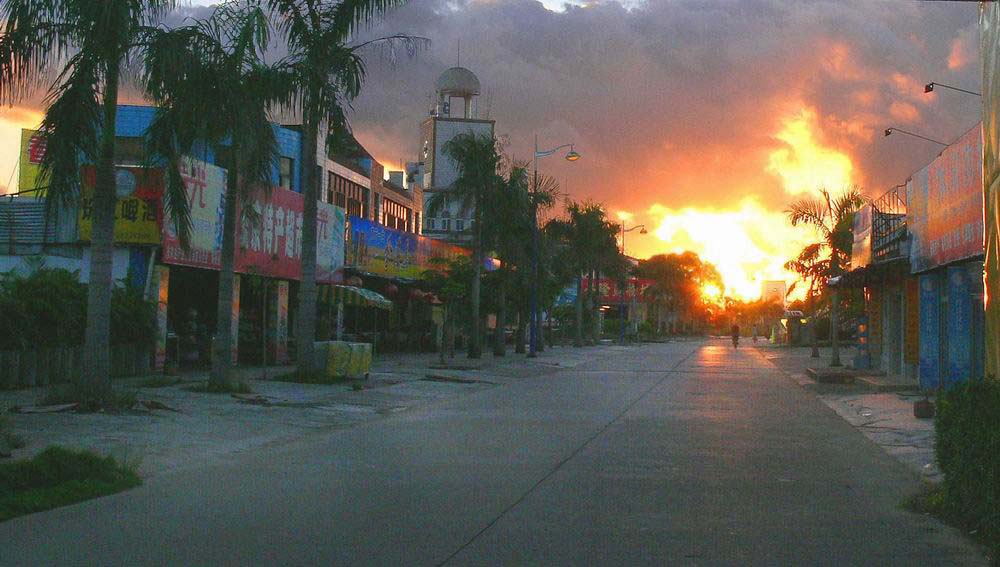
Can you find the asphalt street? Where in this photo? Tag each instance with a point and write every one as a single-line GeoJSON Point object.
{"type": "Point", "coordinates": [684, 453]}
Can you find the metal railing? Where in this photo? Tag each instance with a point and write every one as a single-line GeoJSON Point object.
{"type": "Point", "coordinates": [889, 232]}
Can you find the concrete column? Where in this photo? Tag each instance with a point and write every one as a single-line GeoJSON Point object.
{"type": "Point", "coordinates": [234, 332]}
{"type": "Point", "coordinates": [279, 337]}
{"type": "Point", "coordinates": [161, 289]}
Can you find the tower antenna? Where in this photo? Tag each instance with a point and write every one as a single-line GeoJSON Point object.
{"type": "Point", "coordinates": [458, 59]}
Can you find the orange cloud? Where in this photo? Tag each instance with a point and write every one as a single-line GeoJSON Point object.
{"type": "Point", "coordinates": [904, 111]}
{"type": "Point", "coordinates": [959, 56]}
{"type": "Point", "coordinates": [803, 164]}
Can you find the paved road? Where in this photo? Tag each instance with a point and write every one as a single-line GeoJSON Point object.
{"type": "Point", "coordinates": [685, 453]}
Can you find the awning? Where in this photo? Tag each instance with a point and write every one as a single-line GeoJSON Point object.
{"type": "Point", "coordinates": [349, 295]}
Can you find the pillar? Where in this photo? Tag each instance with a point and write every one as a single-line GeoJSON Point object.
{"type": "Point", "coordinates": [161, 289]}
{"type": "Point", "coordinates": [279, 338]}
{"type": "Point", "coordinates": [234, 333]}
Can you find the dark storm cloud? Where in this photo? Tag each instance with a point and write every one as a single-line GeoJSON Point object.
{"type": "Point", "coordinates": [678, 102]}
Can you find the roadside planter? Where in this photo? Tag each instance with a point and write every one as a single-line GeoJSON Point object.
{"type": "Point", "coordinates": [341, 359]}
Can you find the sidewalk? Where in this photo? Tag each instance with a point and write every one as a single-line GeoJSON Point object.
{"type": "Point", "coordinates": [209, 427]}
{"type": "Point", "coordinates": [886, 418]}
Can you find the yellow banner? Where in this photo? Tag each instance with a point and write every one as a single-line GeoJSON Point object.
{"type": "Point", "coordinates": [29, 163]}
{"type": "Point", "coordinates": [136, 216]}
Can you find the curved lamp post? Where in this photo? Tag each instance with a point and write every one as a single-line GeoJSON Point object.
{"type": "Point", "coordinates": [623, 311]}
{"type": "Point", "coordinates": [533, 319]}
{"type": "Point", "coordinates": [929, 87]}
{"type": "Point", "coordinates": [890, 131]}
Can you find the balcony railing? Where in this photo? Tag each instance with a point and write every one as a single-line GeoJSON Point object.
{"type": "Point", "coordinates": [889, 233]}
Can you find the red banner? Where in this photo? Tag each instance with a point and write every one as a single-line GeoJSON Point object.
{"type": "Point", "coordinates": [609, 290]}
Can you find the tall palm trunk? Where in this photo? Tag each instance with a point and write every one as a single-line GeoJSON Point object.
{"type": "Point", "coordinates": [578, 330]}
{"type": "Point", "coordinates": [500, 336]}
{"type": "Point", "coordinates": [835, 328]}
{"type": "Point", "coordinates": [222, 345]}
{"type": "Point", "coordinates": [95, 382]}
{"type": "Point", "coordinates": [475, 343]}
{"type": "Point", "coordinates": [595, 297]}
{"type": "Point", "coordinates": [306, 332]}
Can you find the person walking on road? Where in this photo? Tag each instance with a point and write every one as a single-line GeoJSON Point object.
{"type": "Point", "coordinates": [736, 335]}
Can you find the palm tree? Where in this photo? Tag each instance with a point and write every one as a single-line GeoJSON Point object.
{"type": "Point", "coordinates": [588, 244]}
{"type": "Point", "coordinates": [212, 87]}
{"type": "Point", "coordinates": [810, 267]}
{"type": "Point", "coordinates": [477, 161]}
{"type": "Point", "coordinates": [832, 219]}
{"type": "Point", "coordinates": [87, 48]}
{"type": "Point", "coordinates": [326, 73]}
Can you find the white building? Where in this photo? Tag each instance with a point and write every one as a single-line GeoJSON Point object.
{"type": "Point", "coordinates": [454, 113]}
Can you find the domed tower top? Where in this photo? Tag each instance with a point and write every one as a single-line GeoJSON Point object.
{"type": "Point", "coordinates": [457, 82]}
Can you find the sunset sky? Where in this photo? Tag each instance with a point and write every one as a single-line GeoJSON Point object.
{"type": "Point", "coordinates": [700, 119]}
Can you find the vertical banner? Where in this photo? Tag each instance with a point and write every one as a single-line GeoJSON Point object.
{"type": "Point", "coordinates": [989, 49]}
{"type": "Point", "coordinates": [234, 337]}
{"type": "Point", "coordinates": [206, 191]}
{"type": "Point", "coordinates": [959, 325]}
{"type": "Point", "coordinates": [162, 275]}
{"type": "Point", "coordinates": [930, 331]}
{"type": "Point", "coordinates": [29, 175]}
{"type": "Point", "coordinates": [280, 346]}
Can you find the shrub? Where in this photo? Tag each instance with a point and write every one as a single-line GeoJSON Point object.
{"type": "Point", "coordinates": [49, 307]}
{"type": "Point", "coordinates": [968, 452]}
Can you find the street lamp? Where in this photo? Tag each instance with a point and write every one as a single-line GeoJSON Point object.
{"type": "Point", "coordinates": [889, 131]}
{"type": "Point", "coordinates": [622, 311]}
{"type": "Point", "coordinates": [929, 87]}
{"type": "Point", "coordinates": [570, 156]}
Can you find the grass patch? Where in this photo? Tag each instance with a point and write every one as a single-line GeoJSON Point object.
{"type": "Point", "coordinates": [314, 377]}
{"type": "Point", "coordinates": [110, 401]}
{"type": "Point", "coordinates": [238, 387]}
{"type": "Point", "coordinates": [58, 477]}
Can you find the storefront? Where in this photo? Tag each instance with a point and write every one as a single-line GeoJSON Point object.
{"type": "Point", "coordinates": [945, 213]}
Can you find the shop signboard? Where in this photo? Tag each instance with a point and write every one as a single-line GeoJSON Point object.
{"type": "Point", "coordinates": [609, 290]}
{"type": "Point", "coordinates": [861, 249]}
{"type": "Point", "coordinates": [29, 175]}
{"type": "Point", "coordinates": [268, 241]}
{"type": "Point", "coordinates": [945, 205]}
{"type": "Point", "coordinates": [380, 250]}
{"type": "Point", "coordinates": [137, 214]}
{"type": "Point", "coordinates": [206, 190]}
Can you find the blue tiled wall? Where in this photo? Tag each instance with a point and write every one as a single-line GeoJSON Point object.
{"type": "Point", "coordinates": [134, 120]}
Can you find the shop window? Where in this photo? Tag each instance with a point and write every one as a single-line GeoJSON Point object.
{"type": "Point", "coordinates": [286, 166]}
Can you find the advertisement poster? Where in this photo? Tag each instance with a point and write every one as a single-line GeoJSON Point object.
{"type": "Point", "coordinates": [162, 275]}
{"type": "Point", "coordinates": [206, 189]}
{"type": "Point", "coordinates": [945, 205]}
{"type": "Point", "coordinates": [609, 290]}
{"type": "Point", "coordinates": [29, 162]}
{"type": "Point", "coordinates": [268, 242]}
{"type": "Point", "coordinates": [861, 250]}
{"type": "Point", "coordinates": [376, 249]}
{"type": "Point", "coordinates": [137, 217]}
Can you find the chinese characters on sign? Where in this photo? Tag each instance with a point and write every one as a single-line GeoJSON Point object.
{"type": "Point", "coordinates": [609, 290]}
{"type": "Point", "coordinates": [268, 241]}
{"type": "Point", "coordinates": [945, 205]}
{"type": "Point", "coordinates": [137, 217]}
{"type": "Point", "coordinates": [29, 168]}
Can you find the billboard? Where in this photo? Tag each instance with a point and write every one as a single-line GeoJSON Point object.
{"type": "Point", "coordinates": [945, 205]}
{"type": "Point", "coordinates": [272, 245]}
{"type": "Point", "coordinates": [861, 249]}
{"type": "Point", "coordinates": [137, 217]}
{"type": "Point", "coordinates": [268, 242]}
{"type": "Point", "coordinates": [380, 250]}
{"type": "Point", "coordinates": [609, 290]}
{"type": "Point", "coordinates": [29, 169]}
